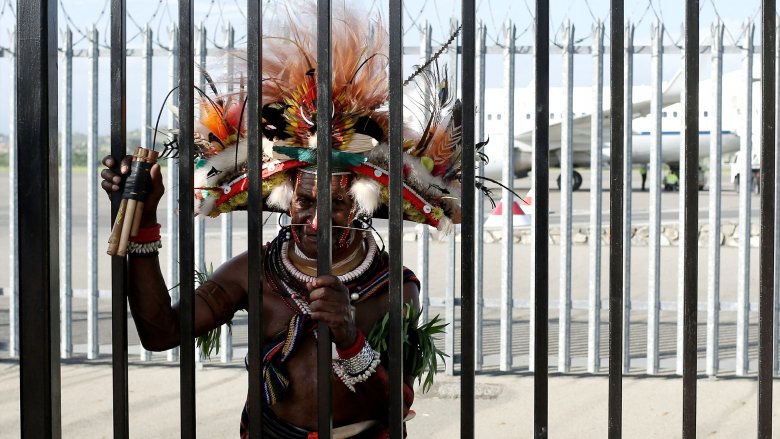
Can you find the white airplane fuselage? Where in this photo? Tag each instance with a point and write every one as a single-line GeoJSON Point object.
{"type": "Point", "coordinates": [733, 124]}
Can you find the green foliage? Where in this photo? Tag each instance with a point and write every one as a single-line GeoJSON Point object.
{"type": "Point", "coordinates": [420, 351]}
{"type": "Point", "coordinates": [209, 341]}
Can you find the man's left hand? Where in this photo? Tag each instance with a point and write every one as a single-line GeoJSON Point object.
{"type": "Point", "coordinates": [330, 303]}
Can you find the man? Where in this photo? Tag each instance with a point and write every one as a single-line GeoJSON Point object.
{"type": "Point", "coordinates": [327, 296]}
{"type": "Point", "coordinates": [354, 297]}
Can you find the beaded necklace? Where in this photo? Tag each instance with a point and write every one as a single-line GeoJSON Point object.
{"type": "Point", "coordinates": [290, 283]}
{"type": "Point", "coordinates": [346, 277]}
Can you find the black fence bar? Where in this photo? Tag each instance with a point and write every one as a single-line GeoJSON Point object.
{"type": "Point", "coordinates": [467, 233]}
{"type": "Point", "coordinates": [325, 221]}
{"type": "Point", "coordinates": [616, 80]}
{"type": "Point", "coordinates": [186, 212]}
{"type": "Point", "coordinates": [255, 216]}
{"type": "Point", "coordinates": [767, 219]}
{"type": "Point", "coordinates": [395, 217]}
{"type": "Point", "coordinates": [542, 213]}
{"type": "Point", "coordinates": [691, 215]}
{"type": "Point", "coordinates": [39, 356]}
{"type": "Point", "coordinates": [119, 263]}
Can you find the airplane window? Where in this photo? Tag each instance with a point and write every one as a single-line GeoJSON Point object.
{"type": "Point", "coordinates": [490, 117]}
{"type": "Point", "coordinates": [664, 114]}
{"type": "Point", "coordinates": [498, 116]}
{"type": "Point", "coordinates": [705, 113]}
{"type": "Point", "coordinates": [552, 115]}
{"type": "Point", "coordinates": [674, 114]}
{"type": "Point", "coordinates": [527, 115]}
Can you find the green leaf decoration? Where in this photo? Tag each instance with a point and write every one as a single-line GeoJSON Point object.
{"type": "Point", "coordinates": [420, 351]}
{"type": "Point", "coordinates": [210, 341]}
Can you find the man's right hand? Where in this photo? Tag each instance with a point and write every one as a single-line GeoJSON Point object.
{"type": "Point", "coordinates": [114, 182]}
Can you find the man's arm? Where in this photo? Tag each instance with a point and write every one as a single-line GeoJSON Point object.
{"type": "Point", "coordinates": [156, 320]}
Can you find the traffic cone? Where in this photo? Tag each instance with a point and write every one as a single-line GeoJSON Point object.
{"type": "Point", "coordinates": [528, 206]}
{"type": "Point", "coordinates": [519, 218]}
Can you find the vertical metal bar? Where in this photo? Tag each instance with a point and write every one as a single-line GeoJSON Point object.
{"type": "Point", "coordinates": [616, 221]}
{"type": "Point", "coordinates": [423, 231]}
{"type": "Point", "coordinates": [66, 203]}
{"type": "Point", "coordinates": [93, 342]}
{"type": "Point", "coordinates": [594, 244]}
{"type": "Point", "coordinates": [423, 258]}
{"type": "Point", "coordinates": [467, 231]}
{"type": "Point", "coordinates": [226, 225]}
{"type": "Point", "coordinates": [172, 182]}
{"type": "Point", "coordinates": [654, 259]}
{"type": "Point", "coordinates": [541, 158]}
{"type": "Point", "coordinates": [776, 330]}
{"type": "Point", "coordinates": [767, 221]}
{"type": "Point", "coordinates": [567, 151]}
{"type": "Point", "coordinates": [628, 136]}
{"type": "Point", "coordinates": [507, 227]}
{"type": "Point", "coordinates": [200, 225]}
{"type": "Point", "coordinates": [118, 263]}
{"type": "Point", "coordinates": [449, 318]}
{"type": "Point", "coordinates": [395, 217]}
{"type": "Point", "coordinates": [255, 218]}
{"type": "Point", "coordinates": [716, 150]}
{"type": "Point", "coordinates": [13, 218]}
{"type": "Point", "coordinates": [146, 132]}
{"type": "Point", "coordinates": [324, 249]}
{"type": "Point", "coordinates": [36, 68]}
{"type": "Point", "coordinates": [746, 174]}
{"type": "Point", "coordinates": [690, 191]}
{"type": "Point", "coordinates": [186, 226]}
{"type": "Point", "coordinates": [480, 197]}
{"type": "Point", "coordinates": [449, 306]}
{"type": "Point", "coordinates": [452, 62]}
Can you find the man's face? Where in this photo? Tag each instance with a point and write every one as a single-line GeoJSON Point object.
{"type": "Point", "coordinates": [304, 215]}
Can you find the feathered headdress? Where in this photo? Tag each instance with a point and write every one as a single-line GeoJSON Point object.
{"type": "Point", "coordinates": [432, 153]}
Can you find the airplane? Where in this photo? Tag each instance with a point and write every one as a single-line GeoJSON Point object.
{"type": "Point", "coordinates": [671, 123]}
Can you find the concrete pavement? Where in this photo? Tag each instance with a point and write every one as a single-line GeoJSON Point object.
{"type": "Point", "coordinates": [504, 405]}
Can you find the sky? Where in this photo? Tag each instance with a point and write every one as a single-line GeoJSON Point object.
{"type": "Point", "coordinates": [80, 15]}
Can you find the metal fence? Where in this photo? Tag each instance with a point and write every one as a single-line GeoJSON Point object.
{"type": "Point", "coordinates": [35, 268]}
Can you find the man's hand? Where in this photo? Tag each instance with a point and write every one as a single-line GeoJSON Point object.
{"type": "Point", "coordinates": [330, 303]}
{"type": "Point", "coordinates": [114, 182]}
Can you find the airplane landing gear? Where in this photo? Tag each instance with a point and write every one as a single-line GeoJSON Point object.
{"type": "Point", "coordinates": [576, 181]}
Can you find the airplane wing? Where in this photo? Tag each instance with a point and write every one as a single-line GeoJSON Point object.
{"type": "Point", "coordinates": [581, 124]}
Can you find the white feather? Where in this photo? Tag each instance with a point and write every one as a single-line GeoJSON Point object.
{"type": "Point", "coordinates": [445, 226]}
{"type": "Point", "coordinates": [206, 206]}
{"type": "Point", "coordinates": [225, 161]}
{"type": "Point", "coordinates": [281, 196]}
{"type": "Point", "coordinates": [367, 194]}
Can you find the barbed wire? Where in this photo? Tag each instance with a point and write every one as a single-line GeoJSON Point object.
{"type": "Point", "coordinates": [83, 33]}
{"type": "Point", "coordinates": [414, 23]}
{"type": "Point", "coordinates": [717, 14]}
{"type": "Point", "coordinates": [216, 13]}
{"type": "Point", "coordinates": [660, 18]}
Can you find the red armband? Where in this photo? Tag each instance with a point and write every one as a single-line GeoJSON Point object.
{"type": "Point", "coordinates": [353, 350]}
{"type": "Point", "coordinates": [147, 234]}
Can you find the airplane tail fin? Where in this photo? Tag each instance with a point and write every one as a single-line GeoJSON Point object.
{"type": "Point", "coordinates": [672, 93]}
